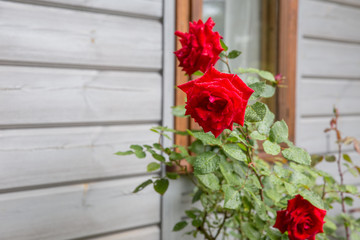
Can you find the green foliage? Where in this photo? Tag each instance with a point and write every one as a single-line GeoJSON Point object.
{"type": "Point", "coordinates": [206, 162]}
{"type": "Point", "coordinates": [161, 185]}
{"type": "Point", "coordinates": [234, 54]}
{"type": "Point", "coordinates": [239, 192]}
{"type": "Point", "coordinates": [255, 112]}
{"type": "Point", "coordinates": [279, 132]}
{"type": "Point", "coordinates": [179, 226]}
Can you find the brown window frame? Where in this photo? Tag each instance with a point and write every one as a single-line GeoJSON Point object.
{"type": "Point", "coordinates": [279, 55]}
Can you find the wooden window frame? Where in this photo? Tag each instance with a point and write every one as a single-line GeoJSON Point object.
{"type": "Point", "coordinates": [279, 55]}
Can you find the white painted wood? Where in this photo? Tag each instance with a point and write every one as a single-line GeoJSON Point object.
{"type": "Point", "coordinates": [31, 157]}
{"type": "Point", "coordinates": [143, 7]}
{"type": "Point", "coordinates": [318, 96]}
{"type": "Point", "coordinates": [329, 59]}
{"type": "Point", "coordinates": [148, 233]}
{"type": "Point", "coordinates": [37, 34]}
{"type": "Point", "coordinates": [311, 136]}
{"type": "Point", "coordinates": [78, 210]}
{"type": "Point", "coordinates": [355, 3]}
{"type": "Point", "coordinates": [46, 95]}
{"type": "Point", "coordinates": [330, 21]}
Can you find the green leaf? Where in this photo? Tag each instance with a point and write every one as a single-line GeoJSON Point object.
{"type": "Point", "coordinates": [234, 54]}
{"type": "Point", "coordinates": [210, 181]}
{"type": "Point", "coordinates": [255, 112]}
{"type": "Point", "coordinates": [143, 185]}
{"type": "Point", "coordinates": [329, 226]}
{"type": "Point", "coordinates": [347, 158]}
{"type": "Point", "coordinates": [279, 132]}
{"type": "Point", "coordinates": [196, 223]}
{"type": "Point", "coordinates": [206, 138]}
{"type": "Point", "coordinates": [136, 147]}
{"type": "Point", "coordinates": [271, 148]}
{"type": "Point", "coordinates": [273, 233]}
{"type": "Point", "coordinates": [313, 198]}
{"type": "Point", "coordinates": [153, 166]}
{"type": "Point", "coordinates": [257, 136]}
{"type": "Point", "coordinates": [198, 73]}
{"type": "Point", "coordinates": [232, 197]}
{"type": "Point", "coordinates": [197, 147]}
{"type": "Point", "coordinates": [158, 157]}
{"type": "Point", "coordinates": [206, 163]}
{"type": "Point", "coordinates": [124, 153]}
{"type": "Point", "coordinates": [290, 189]}
{"type": "Point", "coordinates": [247, 70]}
{"type": "Point", "coordinates": [140, 154]}
{"type": "Point", "coordinates": [179, 226]}
{"type": "Point", "coordinates": [264, 126]}
{"type": "Point", "coordinates": [258, 88]}
{"type": "Point", "coordinates": [178, 111]}
{"type": "Point", "coordinates": [172, 175]}
{"type": "Point", "coordinates": [234, 151]}
{"type": "Point", "coordinates": [315, 159]}
{"type": "Point", "coordinates": [268, 92]}
{"type": "Point", "coordinates": [297, 155]}
{"type": "Point", "coordinates": [250, 231]}
{"type": "Point", "coordinates": [197, 196]}
{"type": "Point", "coordinates": [267, 75]}
{"type": "Point", "coordinates": [161, 185]}
{"type": "Point", "coordinates": [330, 158]}
{"type": "Point", "coordinates": [348, 201]}
{"type": "Point", "coordinates": [223, 45]}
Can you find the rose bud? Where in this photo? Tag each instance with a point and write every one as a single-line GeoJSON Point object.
{"type": "Point", "coordinates": [217, 100]}
{"type": "Point", "coordinates": [301, 219]}
{"type": "Point", "coordinates": [200, 47]}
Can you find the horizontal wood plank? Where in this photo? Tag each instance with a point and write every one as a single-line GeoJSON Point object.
{"type": "Point", "coordinates": [77, 211]}
{"type": "Point", "coordinates": [38, 34]}
{"type": "Point", "coordinates": [46, 95]}
{"type": "Point", "coordinates": [31, 157]}
{"type": "Point", "coordinates": [355, 3]}
{"type": "Point", "coordinates": [311, 136]}
{"type": "Point", "coordinates": [331, 21]}
{"type": "Point", "coordinates": [143, 7]}
{"type": "Point", "coordinates": [329, 59]}
{"type": "Point", "coordinates": [148, 233]}
{"type": "Point", "coordinates": [318, 96]}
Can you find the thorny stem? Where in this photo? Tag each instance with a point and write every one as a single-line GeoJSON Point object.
{"type": "Point", "coordinates": [251, 164]}
{"type": "Point", "coordinates": [340, 172]}
{"type": "Point", "coordinates": [341, 192]}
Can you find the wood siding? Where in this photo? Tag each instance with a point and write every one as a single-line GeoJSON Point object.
{"type": "Point", "coordinates": [79, 80]}
{"type": "Point", "coordinates": [328, 76]}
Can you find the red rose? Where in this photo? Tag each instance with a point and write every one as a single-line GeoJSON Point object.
{"type": "Point", "coordinates": [301, 219]}
{"type": "Point", "coordinates": [216, 100]}
{"type": "Point", "coordinates": [200, 47]}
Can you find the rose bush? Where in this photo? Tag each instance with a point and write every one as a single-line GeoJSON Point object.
{"type": "Point", "coordinates": [200, 47]}
{"type": "Point", "coordinates": [245, 169]}
{"type": "Point", "coordinates": [217, 100]}
{"type": "Point", "coordinates": [301, 219]}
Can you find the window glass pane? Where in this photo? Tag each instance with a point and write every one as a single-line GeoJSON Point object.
{"type": "Point", "coordinates": [239, 22]}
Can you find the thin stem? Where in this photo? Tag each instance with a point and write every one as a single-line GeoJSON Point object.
{"type": "Point", "coordinates": [226, 63]}
{"type": "Point", "coordinates": [221, 226]}
{"type": "Point", "coordinates": [202, 228]}
{"type": "Point", "coordinates": [342, 193]}
{"type": "Point", "coordinates": [323, 192]}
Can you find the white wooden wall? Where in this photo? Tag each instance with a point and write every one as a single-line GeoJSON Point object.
{"type": "Point", "coordinates": [328, 75]}
{"type": "Point", "coordinates": [80, 80]}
